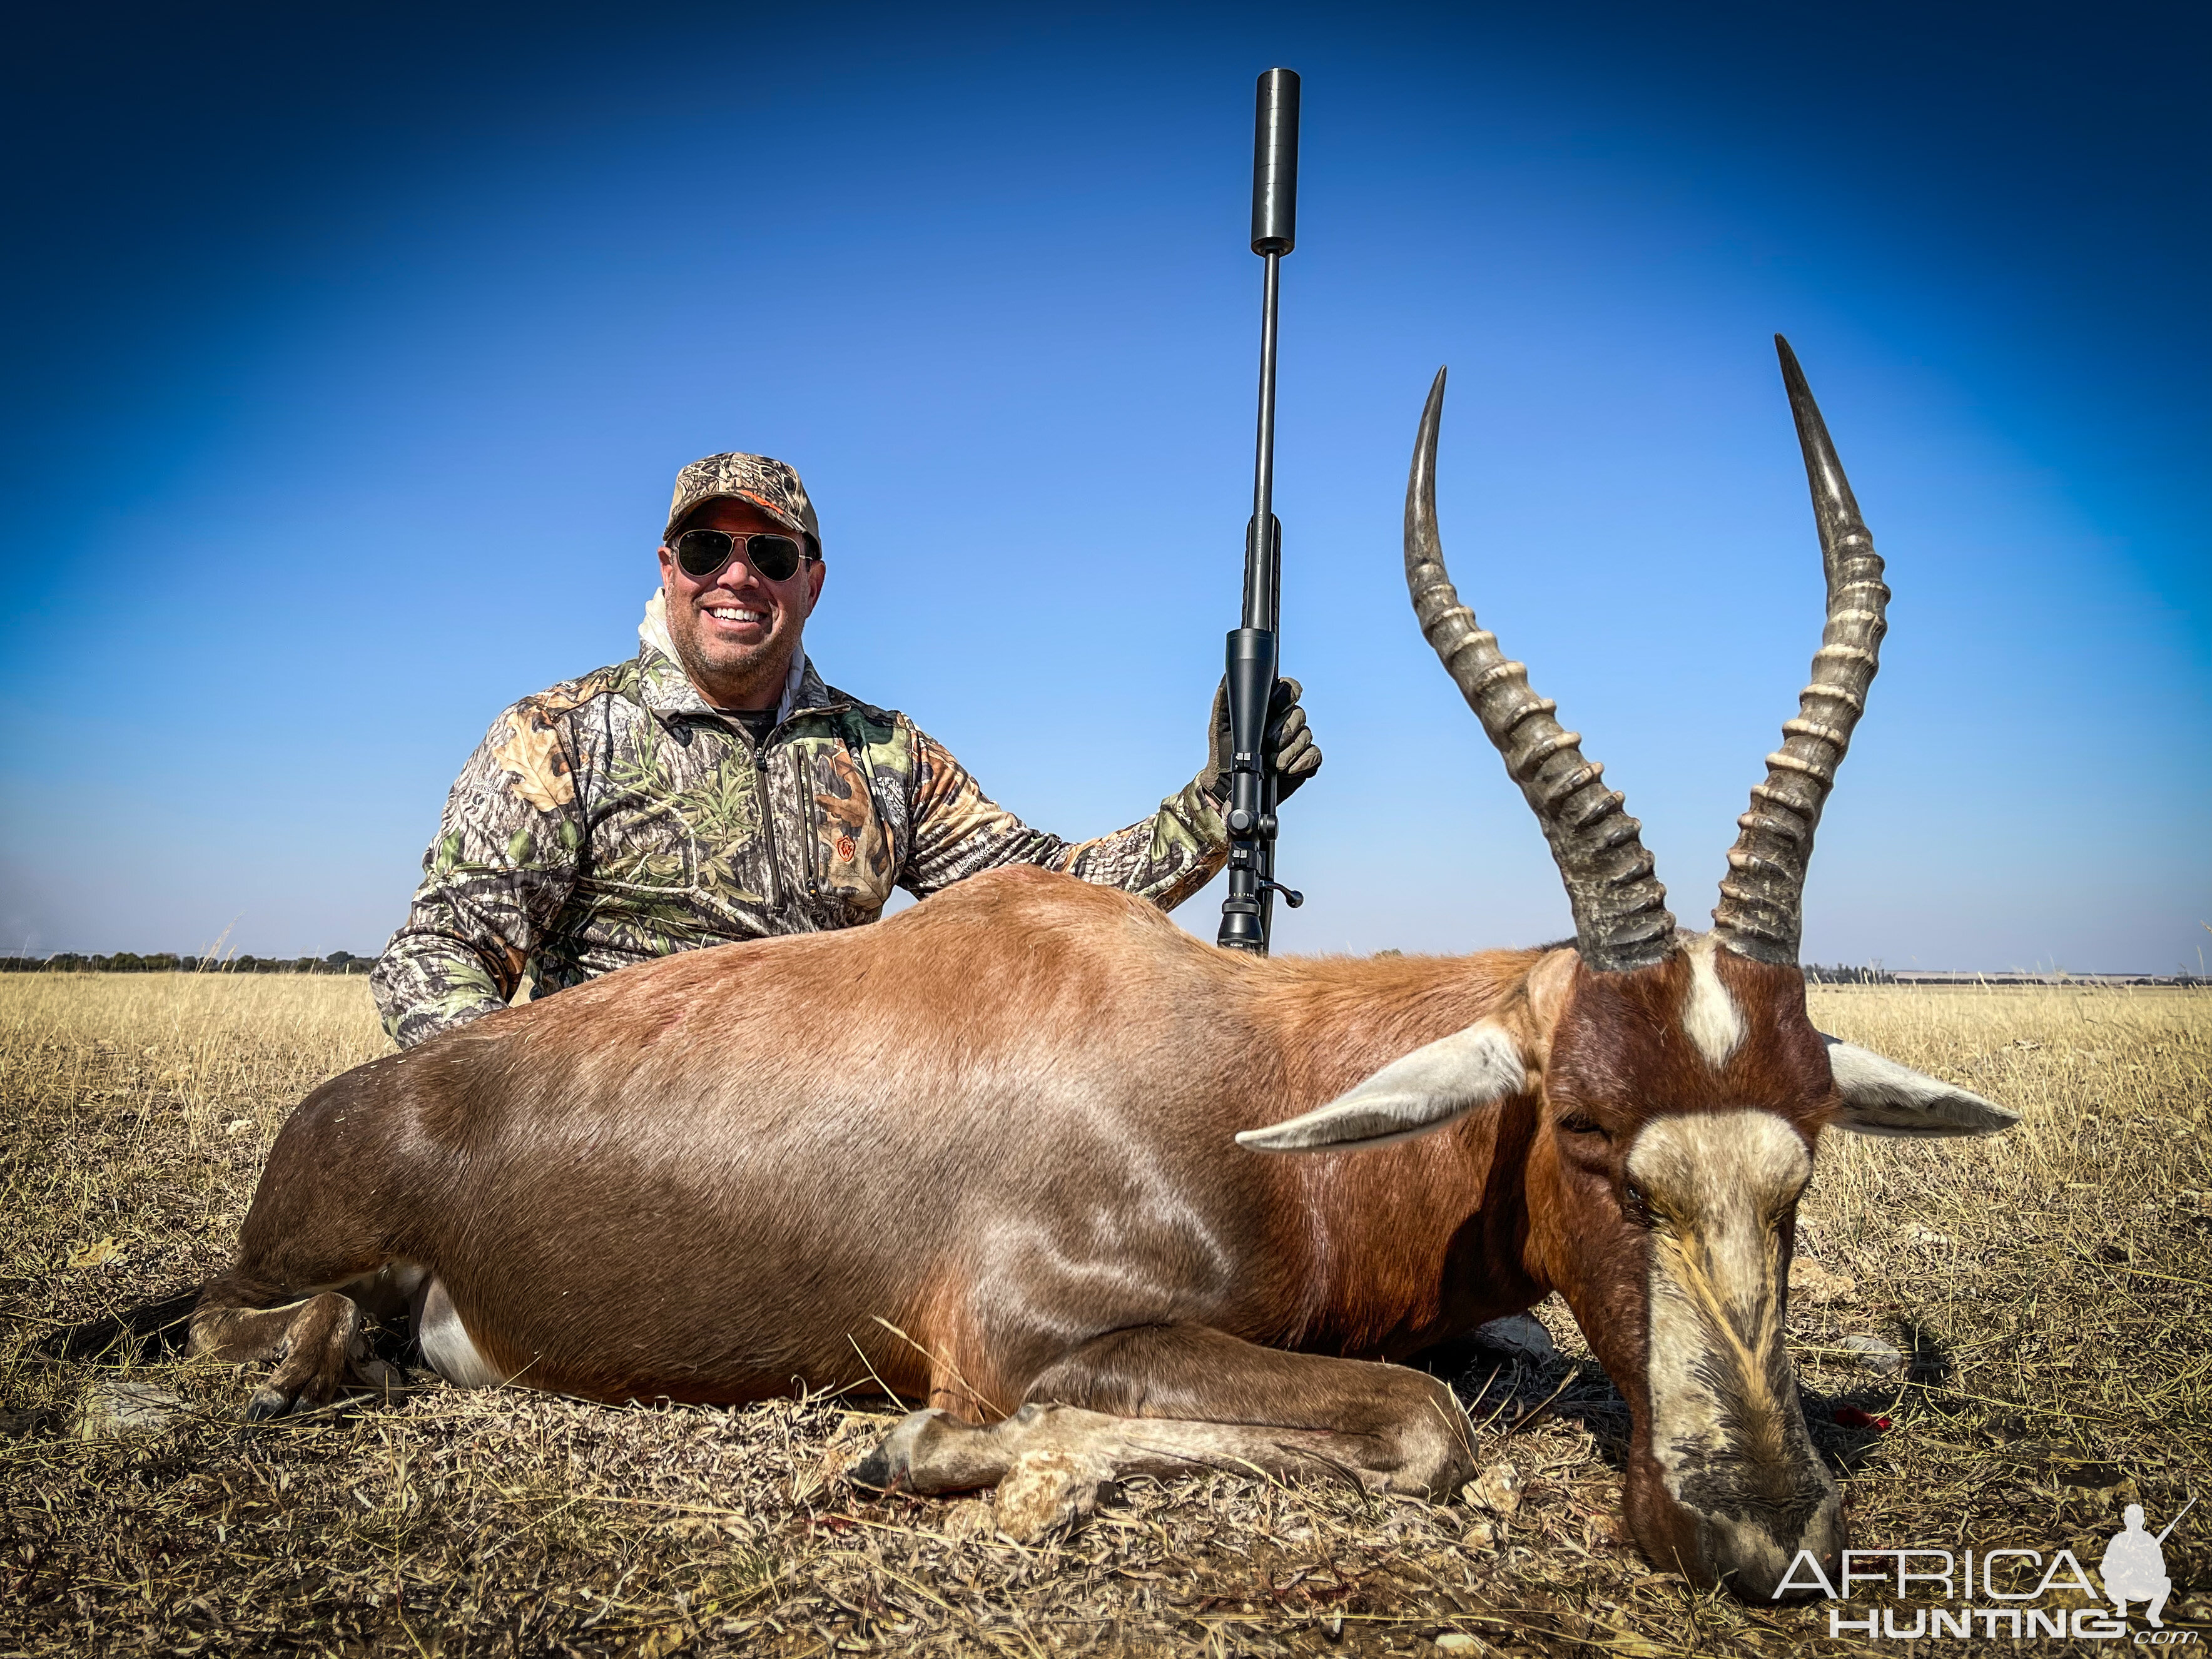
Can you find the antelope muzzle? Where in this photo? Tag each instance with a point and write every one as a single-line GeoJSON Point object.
{"type": "Point", "coordinates": [1725, 1480]}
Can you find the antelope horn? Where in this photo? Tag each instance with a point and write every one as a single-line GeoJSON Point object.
{"type": "Point", "coordinates": [1761, 912]}
{"type": "Point", "coordinates": [1621, 918]}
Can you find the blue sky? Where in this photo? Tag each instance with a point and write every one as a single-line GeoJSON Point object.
{"type": "Point", "coordinates": [352, 356]}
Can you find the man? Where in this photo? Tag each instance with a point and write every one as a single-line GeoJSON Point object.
{"type": "Point", "coordinates": [2134, 1568]}
{"type": "Point", "coordinates": [713, 789]}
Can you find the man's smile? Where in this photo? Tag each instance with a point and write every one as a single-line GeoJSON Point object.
{"type": "Point", "coordinates": [738, 615]}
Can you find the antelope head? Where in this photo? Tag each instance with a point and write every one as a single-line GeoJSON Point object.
{"type": "Point", "coordinates": [1680, 1089]}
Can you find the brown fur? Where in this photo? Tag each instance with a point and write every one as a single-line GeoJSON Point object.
{"type": "Point", "coordinates": [982, 1151]}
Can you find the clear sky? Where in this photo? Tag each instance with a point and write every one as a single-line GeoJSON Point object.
{"type": "Point", "coordinates": [351, 352]}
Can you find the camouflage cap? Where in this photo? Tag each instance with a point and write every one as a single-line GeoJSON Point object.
{"type": "Point", "coordinates": [769, 484]}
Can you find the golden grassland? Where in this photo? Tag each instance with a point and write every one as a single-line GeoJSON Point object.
{"type": "Point", "coordinates": [2050, 1289]}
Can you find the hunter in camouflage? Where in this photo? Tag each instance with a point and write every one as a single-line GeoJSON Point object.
{"type": "Point", "coordinates": [713, 789]}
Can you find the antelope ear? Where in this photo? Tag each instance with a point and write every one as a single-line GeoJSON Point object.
{"type": "Point", "coordinates": [1425, 1090]}
{"type": "Point", "coordinates": [1881, 1097]}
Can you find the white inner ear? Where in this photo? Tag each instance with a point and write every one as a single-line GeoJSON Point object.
{"type": "Point", "coordinates": [1425, 1090]}
{"type": "Point", "coordinates": [1881, 1097]}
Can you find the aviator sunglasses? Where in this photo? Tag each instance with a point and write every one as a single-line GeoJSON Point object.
{"type": "Point", "coordinates": [702, 553]}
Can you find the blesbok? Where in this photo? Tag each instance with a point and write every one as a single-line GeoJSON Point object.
{"type": "Point", "coordinates": [988, 1153]}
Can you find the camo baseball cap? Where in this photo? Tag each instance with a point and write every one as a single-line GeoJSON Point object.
{"type": "Point", "coordinates": [769, 484]}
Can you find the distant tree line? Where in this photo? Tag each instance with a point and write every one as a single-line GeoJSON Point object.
{"type": "Point", "coordinates": [1879, 975]}
{"type": "Point", "coordinates": [167, 962]}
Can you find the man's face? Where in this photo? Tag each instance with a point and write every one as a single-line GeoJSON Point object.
{"type": "Point", "coordinates": [736, 632]}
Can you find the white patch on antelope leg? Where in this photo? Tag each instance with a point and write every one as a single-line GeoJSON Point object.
{"type": "Point", "coordinates": [447, 1344]}
{"type": "Point", "coordinates": [1718, 1185]}
{"type": "Point", "coordinates": [1710, 1019]}
{"type": "Point", "coordinates": [1049, 1462]}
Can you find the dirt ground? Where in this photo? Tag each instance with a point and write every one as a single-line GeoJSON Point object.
{"type": "Point", "coordinates": [2047, 1292]}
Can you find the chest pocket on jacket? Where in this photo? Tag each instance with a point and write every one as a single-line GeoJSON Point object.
{"type": "Point", "coordinates": [852, 858]}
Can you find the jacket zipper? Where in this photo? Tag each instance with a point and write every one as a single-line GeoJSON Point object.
{"type": "Point", "coordinates": [768, 830]}
{"type": "Point", "coordinates": [809, 835]}
{"type": "Point", "coordinates": [767, 807]}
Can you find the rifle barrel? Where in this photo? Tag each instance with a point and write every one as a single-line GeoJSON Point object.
{"type": "Point", "coordinates": [1260, 577]}
{"type": "Point", "coordinates": [2176, 1522]}
{"type": "Point", "coordinates": [1274, 233]}
{"type": "Point", "coordinates": [1253, 657]}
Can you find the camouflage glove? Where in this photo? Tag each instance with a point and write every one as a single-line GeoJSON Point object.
{"type": "Point", "coordinates": [1289, 744]}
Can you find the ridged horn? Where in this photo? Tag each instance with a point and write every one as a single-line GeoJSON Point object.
{"type": "Point", "coordinates": [1621, 918]}
{"type": "Point", "coordinates": [1761, 912]}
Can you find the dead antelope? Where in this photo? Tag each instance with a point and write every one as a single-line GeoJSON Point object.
{"type": "Point", "coordinates": [1005, 1126]}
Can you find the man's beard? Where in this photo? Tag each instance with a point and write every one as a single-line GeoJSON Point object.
{"type": "Point", "coordinates": [740, 662]}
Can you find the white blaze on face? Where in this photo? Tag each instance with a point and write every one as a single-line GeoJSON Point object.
{"type": "Point", "coordinates": [1724, 1419]}
{"type": "Point", "coordinates": [1710, 1019]}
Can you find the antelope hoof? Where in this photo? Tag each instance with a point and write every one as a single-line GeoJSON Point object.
{"type": "Point", "coordinates": [269, 1402]}
{"type": "Point", "coordinates": [891, 1464]}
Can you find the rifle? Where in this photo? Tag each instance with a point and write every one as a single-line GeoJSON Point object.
{"type": "Point", "coordinates": [2176, 1522]}
{"type": "Point", "coordinates": [1254, 650]}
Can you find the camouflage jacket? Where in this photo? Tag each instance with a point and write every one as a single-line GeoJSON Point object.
{"type": "Point", "coordinates": [618, 818]}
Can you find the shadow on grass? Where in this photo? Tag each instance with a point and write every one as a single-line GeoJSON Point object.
{"type": "Point", "coordinates": [149, 1333]}
{"type": "Point", "coordinates": [1505, 1388]}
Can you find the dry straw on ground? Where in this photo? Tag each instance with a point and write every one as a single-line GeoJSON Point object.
{"type": "Point", "coordinates": [2048, 1292]}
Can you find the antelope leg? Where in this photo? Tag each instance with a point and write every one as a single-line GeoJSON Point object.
{"type": "Point", "coordinates": [1171, 1399]}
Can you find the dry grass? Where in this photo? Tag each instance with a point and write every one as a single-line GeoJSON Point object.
{"type": "Point", "coordinates": [2051, 1286]}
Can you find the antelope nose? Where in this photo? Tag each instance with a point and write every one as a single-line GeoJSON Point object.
{"type": "Point", "coordinates": [1754, 1560]}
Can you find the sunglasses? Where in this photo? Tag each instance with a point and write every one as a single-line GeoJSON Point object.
{"type": "Point", "coordinates": [702, 553]}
